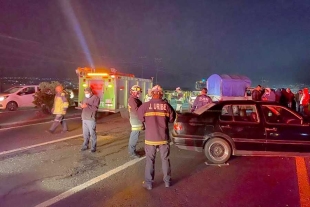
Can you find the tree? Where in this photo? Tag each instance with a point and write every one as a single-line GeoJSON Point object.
{"type": "Point", "coordinates": [44, 98]}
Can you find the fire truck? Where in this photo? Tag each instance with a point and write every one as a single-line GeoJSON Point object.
{"type": "Point", "coordinates": [111, 86]}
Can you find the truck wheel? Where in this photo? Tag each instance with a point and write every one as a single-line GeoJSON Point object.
{"type": "Point", "coordinates": [217, 151]}
{"type": "Point", "coordinates": [11, 106]}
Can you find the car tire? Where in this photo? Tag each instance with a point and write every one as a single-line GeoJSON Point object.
{"type": "Point", "coordinates": [12, 106]}
{"type": "Point", "coordinates": [217, 150]}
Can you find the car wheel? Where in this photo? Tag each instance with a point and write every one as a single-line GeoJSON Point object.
{"type": "Point", "coordinates": [217, 150]}
{"type": "Point", "coordinates": [12, 106]}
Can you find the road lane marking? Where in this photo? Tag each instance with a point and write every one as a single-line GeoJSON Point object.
{"type": "Point", "coordinates": [303, 182]}
{"type": "Point", "coordinates": [15, 127]}
{"type": "Point", "coordinates": [39, 145]}
{"type": "Point", "coordinates": [88, 183]}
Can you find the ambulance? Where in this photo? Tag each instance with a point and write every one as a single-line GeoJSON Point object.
{"type": "Point", "coordinates": [111, 86]}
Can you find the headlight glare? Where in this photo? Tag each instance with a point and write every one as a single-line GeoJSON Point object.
{"type": "Point", "coordinates": [3, 97]}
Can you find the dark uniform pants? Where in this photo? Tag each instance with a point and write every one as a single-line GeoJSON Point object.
{"type": "Point", "coordinates": [59, 119]}
{"type": "Point", "coordinates": [89, 132]}
{"type": "Point", "coordinates": [150, 152]}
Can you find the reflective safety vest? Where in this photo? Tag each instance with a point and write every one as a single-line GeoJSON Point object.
{"type": "Point", "coordinates": [60, 104]}
{"type": "Point", "coordinates": [133, 105]}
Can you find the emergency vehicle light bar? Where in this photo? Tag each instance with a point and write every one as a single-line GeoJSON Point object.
{"type": "Point", "coordinates": [97, 74]}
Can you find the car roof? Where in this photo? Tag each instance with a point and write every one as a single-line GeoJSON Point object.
{"type": "Point", "coordinates": [25, 86]}
{"type": "Point", "coordinates": [231, 102]}
{"type": "Point", "coordinates": [247, 102]}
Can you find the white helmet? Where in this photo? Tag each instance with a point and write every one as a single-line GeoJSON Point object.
{"type": "Point", "coordinates": [157, 90]}
{"type": "Point", "coordinates": [135, 90]}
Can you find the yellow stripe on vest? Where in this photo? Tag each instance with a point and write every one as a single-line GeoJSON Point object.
{"type": "Point", "coordinates": [156, 142]}
{"type": "Point", "coordinates": [156, 114]}
{"type": "Point", "coordinates": [137, 128]}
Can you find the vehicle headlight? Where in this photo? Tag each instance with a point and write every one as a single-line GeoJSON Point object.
{"type": "Point", "coordinates": [71, 95]}
{"type": "Point", "coordinates": [3, 97]}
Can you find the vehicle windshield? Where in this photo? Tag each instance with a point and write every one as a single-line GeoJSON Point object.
{"type": "Point", "coordinates": [203, 108]}
{"type": "Point", "coordinates": [13, 90]}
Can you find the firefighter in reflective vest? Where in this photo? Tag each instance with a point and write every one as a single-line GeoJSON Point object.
{"type": "Point", "coordinates": [59, 109]}
{"type": "Point", "coordinates": [136, 125]}
{"type": "Point", "coordinates": [148, 96]}
{"type": "Point", "coordinates": [156, 114]}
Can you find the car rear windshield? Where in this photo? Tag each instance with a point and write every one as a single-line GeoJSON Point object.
{"type": "Point", "coordinates": [204, 108]}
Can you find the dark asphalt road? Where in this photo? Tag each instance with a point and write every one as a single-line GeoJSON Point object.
{"type": "Point", "coordinates": [29, 116]}
{"type": "Point", "coordinates": [33, 176]}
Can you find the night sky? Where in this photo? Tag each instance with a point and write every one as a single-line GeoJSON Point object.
{"type": "Point", "coordinates": [184, 41]}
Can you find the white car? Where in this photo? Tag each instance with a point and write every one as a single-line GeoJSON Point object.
{"type": "Point", "coordinates": [18, 96]}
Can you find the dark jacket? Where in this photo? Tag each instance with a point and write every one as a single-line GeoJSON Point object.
{"type": "Point", "coordinates": [256, 95]}
{"type": "Point", "coordinates": [156, 114]}
{"type": "Point", "coordinates": [89, 113]}
{"type": "Point", "coordinates": [289, 97]}
{"type": "Point", "coordinates": [200, 101]}
{"type": "Point", "coordinates": [133, 105]}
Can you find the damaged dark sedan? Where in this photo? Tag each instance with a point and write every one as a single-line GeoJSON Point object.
{"type": "Point", "coordinates": [242, 127]}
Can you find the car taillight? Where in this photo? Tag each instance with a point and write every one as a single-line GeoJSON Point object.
{"type": "Point", "coordinates": [177, 126]}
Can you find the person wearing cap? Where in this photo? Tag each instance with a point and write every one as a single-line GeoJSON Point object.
{"type": "Point", "coordinates": [59, 109]}
{"type": "Point", "coordinates": [156, 114]}
{"type": "Point", "coordinates": [136, 125]}
{"type": "Point", "coordinates": [179, 98]}
{"type": "Point", "coordinates": [201, 100]}
{"type": "Point", "coordinates": [89, 107]}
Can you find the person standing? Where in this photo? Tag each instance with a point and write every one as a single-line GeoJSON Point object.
{"type": "Point", "coordinates": [298, 96]}
{"type": "Point", "coordinates": [257, 93]}
{"type": "Point", "coordinates": [289, 97]}
{"type": "Point", "coordinates": [136, 125]}
{"type": "Point", "coordinates": [179, 99]}
{"type": "Point", "coordinates": [156, 114]}
{"type": "Point", "coordinates": [148, 96]}
{"type": "Point", "coordinates": [201, 100]}
{"type": "Point", "coordinates": [304, 102]}
{"type": "Point", "coordinates": [269, 95]}
{"type": "Point", "coordinates": [89, 107]}
{"type": "Point", "coordinates": [59, 109]}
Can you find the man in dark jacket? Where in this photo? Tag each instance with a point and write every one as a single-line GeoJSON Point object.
{"type": "Point", "coordinates": [290, 98]}
{"type": "Point", "coordinates": [257, 93]}
{"type": "Point", "coordinates": [156, 114]}
{"type": "Point", "coordinates": [201, 100]}
{"type": "Point", "coordinates": [89, 107]}
{"type": "Point", "coordinates": [136, 125]}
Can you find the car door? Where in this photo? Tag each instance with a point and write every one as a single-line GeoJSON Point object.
{"type": "Point", "coordinates": [285, 130]}
{"type": "Point", "coordinates": [246, 130]}
{"type": "Point", "coordinates": [26, 96]}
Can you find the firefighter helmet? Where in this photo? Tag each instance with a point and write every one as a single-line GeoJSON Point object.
{"type": "Point", "coordinates": [135, 90]}
{"type": "Point", "coordinates": [157, 90]}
